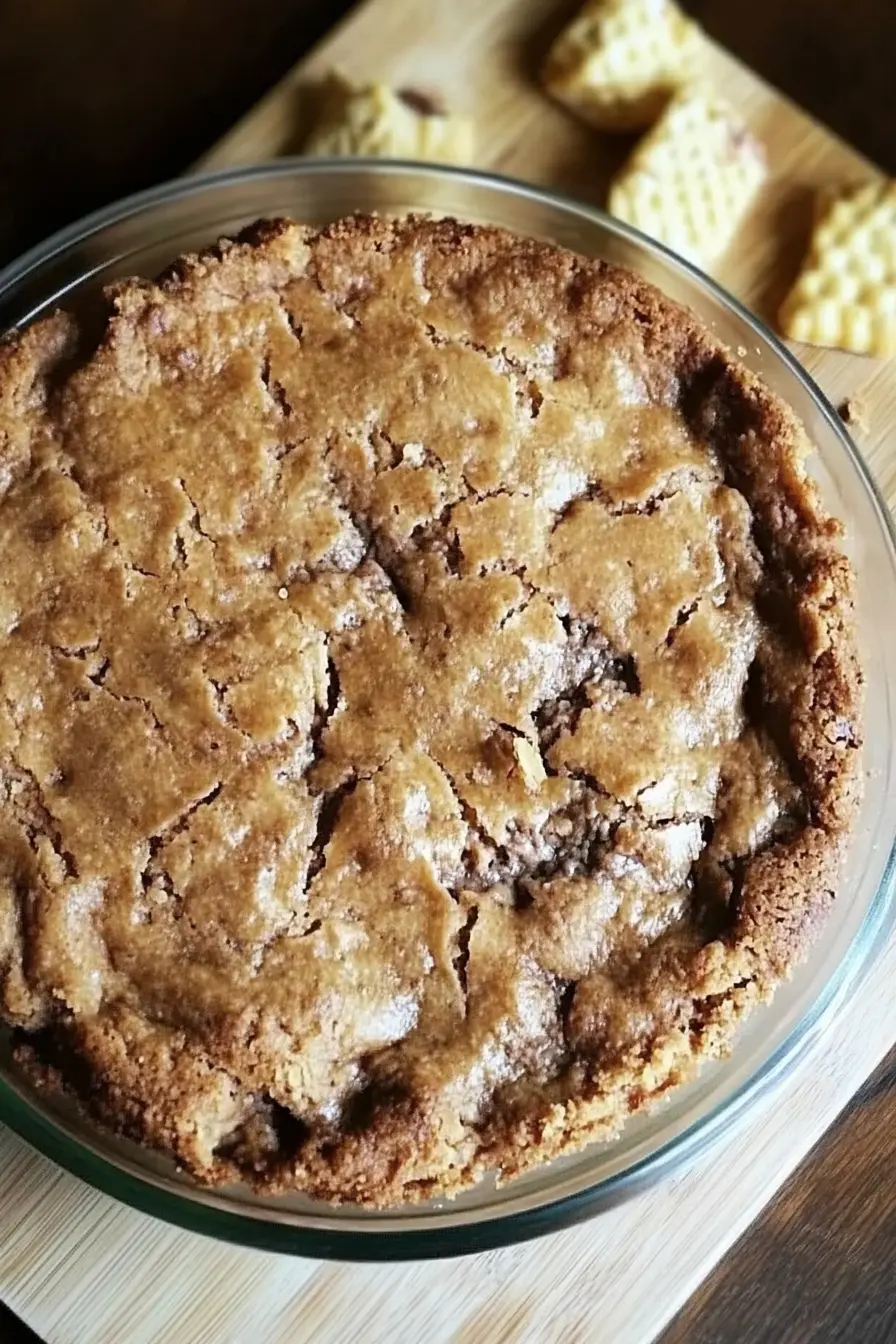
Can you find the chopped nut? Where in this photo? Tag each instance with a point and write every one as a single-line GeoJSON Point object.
{"type": "Point", "coordinates": [414, 453]}
{"type": "Point", "coordinates": [529, 760]}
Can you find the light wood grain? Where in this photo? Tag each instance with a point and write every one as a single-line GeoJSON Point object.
{"type": "Point", "coordinates": [83, 1270]}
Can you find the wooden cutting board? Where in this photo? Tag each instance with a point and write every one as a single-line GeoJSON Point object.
{"type": "Point", "coordinates": [81, 1269]}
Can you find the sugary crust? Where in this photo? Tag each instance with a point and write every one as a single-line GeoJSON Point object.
{"type": "Point", "coordinates": [255, 907]}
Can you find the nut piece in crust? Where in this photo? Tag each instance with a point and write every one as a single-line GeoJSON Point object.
{"type": "Point", "coordinates": [529, 760]}
{"type": "Point", "coordinates": [619, 61]}
{"type": "Point", "coordinates": [845, 294]}
{"type": "Point", "coordinates": [378, 123]}
{"type": "Point", "coordinates": [511, 753]}
{"type": "Point", "coordinates": [692, 178]}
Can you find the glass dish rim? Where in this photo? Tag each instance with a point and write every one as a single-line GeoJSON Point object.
{"type": "Point", "coordinates": [201, 1211]}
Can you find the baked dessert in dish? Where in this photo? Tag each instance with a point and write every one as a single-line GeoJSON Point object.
{"type": "Point", "coordinates": [431, 710]}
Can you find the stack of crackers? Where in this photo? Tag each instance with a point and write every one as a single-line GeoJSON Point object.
{"type": "Point", "coordinates": [625, 64]}
{"type": "Point", "coordinates": [631, 64]}
{"type": "Point", "coordinates": [636, 65]}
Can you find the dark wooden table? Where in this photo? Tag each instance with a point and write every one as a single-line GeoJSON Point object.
{"type": "Point", "coordinates": [105, 97]}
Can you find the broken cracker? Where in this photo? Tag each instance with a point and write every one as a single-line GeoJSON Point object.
{"type": "Point", "coordinates": [845, 294]}
{"type": "Point", "coordinates": [620, 61]}
{"type": "Point", "coordinates": [376, 122]}
{"type": "Point", "coordinates": [690, 180]}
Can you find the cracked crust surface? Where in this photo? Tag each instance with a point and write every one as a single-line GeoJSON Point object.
{"type": "Point", "coordinates": [430, 705]}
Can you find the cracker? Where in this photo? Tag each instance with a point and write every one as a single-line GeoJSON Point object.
{"type": "Point", "coordinates": [376, 122]}
{"type": "Point", "coordinates": [845, 294]}
{"type": "Point", "coordinates": [690, 180]}
{"type": "Point", "coordinates": [619, 62]}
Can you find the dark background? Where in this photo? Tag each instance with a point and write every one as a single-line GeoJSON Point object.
{"type": "Point", "coordinates": [104, 97]}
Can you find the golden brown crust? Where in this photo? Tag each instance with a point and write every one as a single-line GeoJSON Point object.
{"type": "Point", "coordinates": [431, 706]}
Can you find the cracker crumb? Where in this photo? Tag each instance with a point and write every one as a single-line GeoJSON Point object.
{"type": "Point", "coordinates": [853, 412]}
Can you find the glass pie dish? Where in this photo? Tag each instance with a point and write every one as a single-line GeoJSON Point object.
{"type": "Point", "coordinates": [140, 236]}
